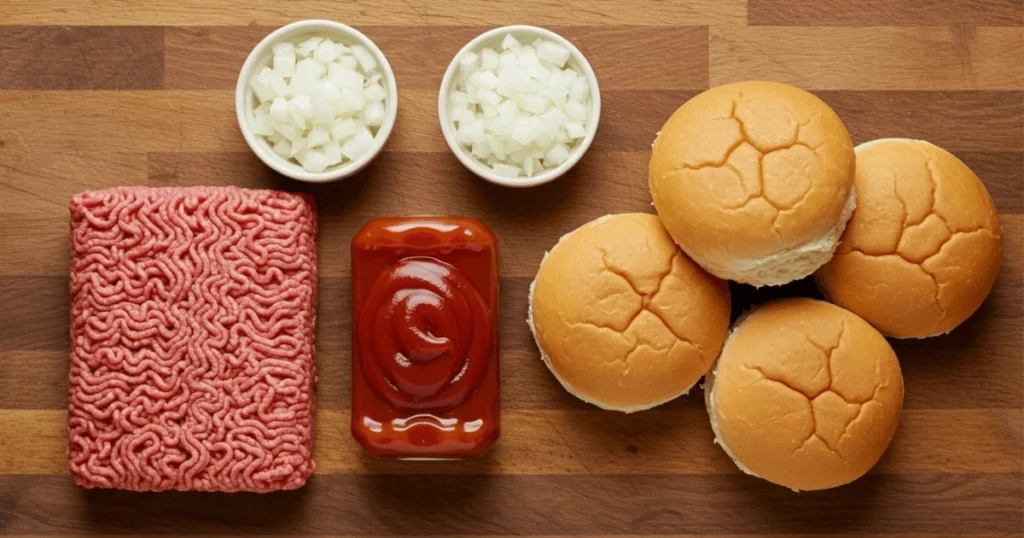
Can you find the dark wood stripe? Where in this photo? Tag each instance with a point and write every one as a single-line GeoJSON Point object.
{"type": "Point", "coordinates": [1003, 175]}
{"type": "Point", "coordinates": [887, 12]}
{"type": "Point", "coordinates": [985, 121]}
{"type": "Point", "coordinates": [384, 12]}
{"type": "Point", "coordinates": [973, 367]}
{"type": "Point", "coordinates": [415, 183]}
{"type": "Point", "coordinates": [35, 313]}
{"type": "Point", "coordinates": [579, 442]}
{"type": "Point", "coordinates": [548, 504]}
{"type": "Point", "coordinates": [81, 58]}
{"type": "Point", "coordinates": [435, 183]}
{"type": "Point", "coordinates": [210, 57]}
{"type": "Point", "coordinates": [673, 535]}
{"type": "Point", "coordinates": [528, 221]}
{"type": "Point", "coordinates": [34, 379]}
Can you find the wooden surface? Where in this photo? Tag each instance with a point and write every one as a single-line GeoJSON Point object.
{"type": "Point", "coordinates": [103, 93]}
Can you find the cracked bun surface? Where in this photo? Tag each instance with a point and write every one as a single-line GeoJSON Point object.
{"type": "Point", "coordinates": [922, 250]}
{"type": "Point", "coordinates": [754, 180]}
{"type": "Point", "coordinates": [805, 394]}
{"type": "Point", "coordinates": [622, 317]}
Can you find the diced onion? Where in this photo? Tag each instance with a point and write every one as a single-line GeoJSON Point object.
{"type": "Point", "coordinates": [320, 102]}
{"type": "Point", "coordinates": [519, 109]}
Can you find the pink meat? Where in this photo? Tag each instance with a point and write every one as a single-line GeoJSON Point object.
{"type": "Point", "coordinates": [192, 319]}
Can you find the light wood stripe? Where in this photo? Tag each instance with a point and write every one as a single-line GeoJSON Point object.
{"type": "Point", "coordinates": [890, 12]}
{"type": "Point", "coordinates": [674, 442]}
{"type": "Point", "coordinates": [879, 58]}
{"type": "Point", "coordinates": [38, 186]}
{"type": "Point", "coordinates": [204, 120]}
{"type": "Point", "coordinates": [382, 12]}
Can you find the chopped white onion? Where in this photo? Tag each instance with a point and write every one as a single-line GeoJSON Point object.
{"type": "Point", "coordinates": [365, 58]}
{"type": "Point", "coordinates": [519, 108]}
{"type": "Point", "coordinates": [510, 42]}
{"type": "Point", "coordinates": [505, 170]}
{"type": "Point", "coordinates": [374, 114]}
{"type": "Point", "coordinates": [343, 129]}
{"type": "Point", "coordinates": [320, 102]}
{"type": "Point", "coordinates": [553, 53]}
{"type": "Point", "coordinates": [315, 161]}
{"type": "Point", "coordinates": [332, 151]}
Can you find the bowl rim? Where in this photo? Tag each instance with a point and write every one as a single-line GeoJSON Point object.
{"type": "Point", "coordinates": [478, 168]}
{"type": "Point", "coordinates": [244, 98]}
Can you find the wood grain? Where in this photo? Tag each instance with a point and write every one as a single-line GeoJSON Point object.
{"type": "Point", "coordinates": [887, 58]}
{"type": "Point", "coordinates": [540, 504]}
{"type": "Point", "coordinates": [664, 441]}
{"type": "Point", "coordinates": [65, 58]}
{"type": "Point", "coordinates": [970, 368]}
{"type": "Point", "coordinates": [118, 92]}
{"type": "Point", "coordinates": [888, 12]}
{"type": "Point", "coordinates": [374, 12]}
{"type": "Point", "coordinates": [201, 58]}
{"type": "Point", "coordinates": [604, 182]}
{"type": "Point", "coordinates": [204, 121]}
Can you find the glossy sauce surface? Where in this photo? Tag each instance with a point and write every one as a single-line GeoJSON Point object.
{"type": "Point", "coordinates": [425, 346]}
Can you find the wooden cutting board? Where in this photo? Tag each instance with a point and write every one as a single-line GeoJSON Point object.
{"type": "Point", "coordinates": [103, 93]}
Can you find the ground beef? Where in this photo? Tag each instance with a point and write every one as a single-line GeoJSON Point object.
{"type": "Point", "coordinates": [192, 319]}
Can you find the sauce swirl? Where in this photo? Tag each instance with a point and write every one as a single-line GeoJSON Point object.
{"type": "Point", "coordinates": [424, 334]}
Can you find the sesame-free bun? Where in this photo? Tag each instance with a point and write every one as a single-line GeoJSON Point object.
{"type": "Point", "coordinates": [805, 394]}
{"type": "Point", "coordinates": [754, 180]}
{"type": "Point", "coordinates": [623, 319]}
{"type": "Point", "coordinates": [923, 247]}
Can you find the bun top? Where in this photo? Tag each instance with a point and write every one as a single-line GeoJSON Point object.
{"type": "Point", "coordinates": [750, 169]}
{"type": "Point", "coordinates": [623, 318]}
{"type": "Point", "coordinates": [805, 394]}
{"type": "Point", "coordinates": [923, 247]}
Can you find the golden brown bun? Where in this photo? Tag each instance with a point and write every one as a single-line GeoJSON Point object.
{"type": "Point", "coordinates": [622, 317]}
{"type": "Point", "coordinates": [805, 394]}
{"type": "Point", "coordinates": [754, 180]}
{"type": "Point", "coordinates": [923, 247]}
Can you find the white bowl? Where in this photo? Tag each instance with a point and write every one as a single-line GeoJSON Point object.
{"type": "Point", "coordinates": [525, 34]}
{"type": "Point", "coordinates": [245, 101]}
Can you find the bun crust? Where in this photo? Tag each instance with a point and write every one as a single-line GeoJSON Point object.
{"type": "Point", "coordinates": [805, 394]}
{"type": "Point", "coordinates": [754, 180]}
{"type": "Point", "coordinates": [622, 317]}
{"type": "Point", "coordinates": [923, 248]}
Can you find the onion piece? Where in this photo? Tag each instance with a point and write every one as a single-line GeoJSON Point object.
{"type": "Point", "coordinates": [320, 102]}
{"type": "Point", "coordinates": [519, 109]}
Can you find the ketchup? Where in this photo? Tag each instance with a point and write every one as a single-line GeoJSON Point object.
{"type": "Point", "coordinates": [425, 337]}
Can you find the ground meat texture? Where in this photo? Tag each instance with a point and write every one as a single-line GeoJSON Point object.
{"type": "Point", "coordinates": [192, 320]}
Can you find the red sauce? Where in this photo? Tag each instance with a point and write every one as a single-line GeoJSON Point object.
{"type": "Point", "coordinates": [425, 337]}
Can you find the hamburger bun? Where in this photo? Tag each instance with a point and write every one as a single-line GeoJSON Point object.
{"type": "Point", "coordinates": [754, 180]}
{"type": "Point", "coordinates": [622, 318]}
{"type": "Point", "coordinates": [922, 250]}
{"type": "Point", "coordinates": [805, 394]}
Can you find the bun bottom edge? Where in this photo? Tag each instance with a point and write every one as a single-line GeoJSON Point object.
{"type": "Point", "coordinates": [568, 386]}
{"type": "Point", "coordinates": [777, 269]}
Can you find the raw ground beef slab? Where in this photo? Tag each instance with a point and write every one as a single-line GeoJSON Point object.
{"type": "Point", "coordinates": [192, 320]}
